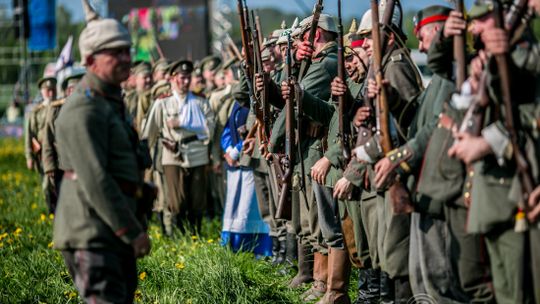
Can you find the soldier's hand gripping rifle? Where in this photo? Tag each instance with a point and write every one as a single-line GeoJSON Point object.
{"type": "Point", "coordinates": [472, 123]}
{"type": "Point", "coordinates": [284, 210]}
{"type": "Point", "coordinates": [400, 197]}
{"type": "Point", "coordinates": [367, 129]}
{"type": "Point", "coordinates": [512, 118]}
{"type": "Point", "coordinates": [262, 106]}
{"type": "Point", "coordinates": [304, 66]}
{"type": "Point", "coordinates": [344, 108]}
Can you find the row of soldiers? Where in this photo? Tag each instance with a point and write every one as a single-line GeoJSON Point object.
{"type": "Point", "coordinates": [449, 213]}
{"type": "Point", "coordinates": [456, 241]}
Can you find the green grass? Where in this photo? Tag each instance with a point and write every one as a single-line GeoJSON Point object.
{"type": "Point", "coordinates": [183, 269]}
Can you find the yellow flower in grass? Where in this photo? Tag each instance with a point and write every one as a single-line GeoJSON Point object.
{"type": "Point", "coordinates": [50, 245]}
{"type": "Point", "coordinates": [17, 232]}
{"type": "Point", "coordinates": [210, 241]}
{"type": "Point", "coordinates": [180, 265]}
{"type": "Point", "coordinates": [142, 276]}
{"type": "Point", "coordinates": [42, 217]}
{"type": "Point", "coordinates": [72, 295]}
{"type": "Point", "coordinates": [34, 206]}
{"type": "Point", "coordinates": [4, 235]}
{"type": "Point", "coordinates": [138, 295]}
{"type": "Point", "coordinates": [51, 216]}
{"type": "Point", "coordinates": [194, 237]}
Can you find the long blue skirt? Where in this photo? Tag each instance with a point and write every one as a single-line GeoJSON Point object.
{"type": "Point", "coordinates": [243, 228]}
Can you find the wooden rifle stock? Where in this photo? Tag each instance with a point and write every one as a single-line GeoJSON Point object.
{"type": "Point", "coordinates": [246, 42]}
{"type": "Point", "coordinates": [400, 198]}
{"type": "Point", "coordinates": [511, 113]}
{"type": "Point", "coordinates": [459, 51]}
{"type": "Point", "coordinates": [287, 163]}
{"type": "Point", "coordinates": [343, 108]}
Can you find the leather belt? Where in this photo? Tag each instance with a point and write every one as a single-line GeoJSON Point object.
{"type": "Point", "coordinates": [187, 140]}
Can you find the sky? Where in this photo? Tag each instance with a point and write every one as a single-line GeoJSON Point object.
{"type": "Point", "coordinates": [350, 8]}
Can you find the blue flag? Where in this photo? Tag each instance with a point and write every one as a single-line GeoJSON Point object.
{"type": "Point", "coordinates": [42, 15]}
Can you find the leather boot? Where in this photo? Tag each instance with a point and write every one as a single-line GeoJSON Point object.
{"type": "Point", "coordinates": [282, 252]}
{"type": "Point", "coordinates": [402, 290]}
{"type": "Point", "coordinates": [305, 267]}
{"type": "Point", "coordinates": [292, 248]}
{"type": "Point", "coordinates": [291, 255]}
{"type": "Point", "coordinates": [275, 250]}
{"type": "Point", "coordinates": [339, 271]}
{"type": "Point", "coordinates": [320, 276]}
{"type": "Point", "coordinates": [387, 288]}
{"type": "Point", "coordinates": [368, 286]}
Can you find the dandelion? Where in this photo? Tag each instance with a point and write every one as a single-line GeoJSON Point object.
{"type": "Point", "coordinates": [194, 237]}
{"type": "Point", "coordinates": [4, 235]}
{"type": "Point", "coordinates": [17, 232]}
{"type": "Point", "coordinates": [138, 295]}
{"type": "Point", "coordinates": [51, 216]}
{"type": "Point", "coordinates": [34, 206]}
{"type": "Point", "coordinates": [180, 265]}
{"type": "Point", "coordinates": [43, 217]}
{"type": "Point", "coordinates": [72, 295]}
{"type": "Point", "coordinates": [210, 241]}
{"type": "Point", "coordinates": [50, 245]}
{"type": "Point", "coordinates": [142, 276]}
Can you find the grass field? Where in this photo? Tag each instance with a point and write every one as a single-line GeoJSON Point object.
{"type": "Point", "coordinates": [185, 269]}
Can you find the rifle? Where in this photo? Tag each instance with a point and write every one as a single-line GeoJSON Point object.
{"type": "Point", "coordinates": [473, 120]}
{"type": "Point", "coordinates": [400, 197]}
{"type": "Point", "coordinates": [522, 164]}
{"type": "Point", "coordinates": [246, 41]}
{"type": "Point", "coordinates": [459, 51]}
{"type": "Point", "coordinates": [367, 130]}
{"type": "Point", "coordinates": [286, 164]}
{"type": "Point", "coordinates": [344, 119]}
{"type": "Point", "coordinates": [304, 66]}
{"type": "Point", "coordinates": [263, 106]}
{"type": "Point", "coordinates": [258, 28]}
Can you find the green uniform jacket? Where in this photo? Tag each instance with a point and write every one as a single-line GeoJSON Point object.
{"type": "Point", "coordinates": [328, 115]}
{"type": "Point", "coordinates": [49, 153]}
{"type": "Point", "coordinates": [96, 142]}
{"type": "Point", "coordinates": [317, 83]}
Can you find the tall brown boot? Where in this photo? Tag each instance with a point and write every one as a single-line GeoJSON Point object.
{"type": "Point", "coordinates": [320, 276]}
{"type": "Point", "coordinates": [338, 278]}
{"type": "Point", "coordinates": [305, 267]}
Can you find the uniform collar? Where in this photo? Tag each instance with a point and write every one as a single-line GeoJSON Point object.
{"type": "Point", "coordinates": [103, 88]}
{"type": "Point", "coordinates": [329, 47]}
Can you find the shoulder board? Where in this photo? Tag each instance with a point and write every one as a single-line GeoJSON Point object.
{"type": "Point", "coordinates": [59, 102]}
{"type": "Point", "coordinates": [38, 107]}
{"type": "Point", "coordinates": [396, 58]}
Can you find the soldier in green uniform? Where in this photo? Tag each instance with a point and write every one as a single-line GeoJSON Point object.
{"type": "Point", "coordinates": [49, 153]}
{"type": "Point", "coordinates": [325, 173]}
{"type": "Point", "coordinates": [96, 227]}
{"type": "Point", "coordinates": [317, 82]}
{"type": "Point", "coordinates": [34, 136]}
{"type": "Point", "coordinates": [209, 66]}
{"type": "Point", "coordinates": [143, 86]}
{"type": "Point", "coordinates": [437, 276]}
{"type": "Point", "coordinates": [389, 250]}
{"type": "Point", "coordinates": [493, 211]}
{"type": "Point", "coordinates": [160, 91]}
{"type": "Point", "coordinates": [159, 70]}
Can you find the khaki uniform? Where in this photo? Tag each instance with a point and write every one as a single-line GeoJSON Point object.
{"type": "Point", "coordinates": [49, 152]}
{"type": "Point", "coordinates": [184, 169]}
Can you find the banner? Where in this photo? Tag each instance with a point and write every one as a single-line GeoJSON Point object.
{"type": "Point", "coordinates": [42, 15]}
